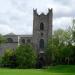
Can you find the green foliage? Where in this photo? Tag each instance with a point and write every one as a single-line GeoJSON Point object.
{"type": "Point", "coordinates": [26, 57]}
{"type": "Point", "coordinates": [62, 35]}
{"type": "Point", "coordinates": [9, 59]}
{"type": "Point", "coordinates": [2, 39]}
{"type": "Point", "coordinates": [23, 57]}
{"type": "Point", "coordinates": [60, 49]}
{"type": "Point", "coordinates": [52, 50]}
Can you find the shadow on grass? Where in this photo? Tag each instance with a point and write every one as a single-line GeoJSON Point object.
{"type": "Point", "coordinates": [61, 69]}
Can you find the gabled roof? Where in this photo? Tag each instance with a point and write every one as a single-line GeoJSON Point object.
{"type": "Point", "coordinates": [11, 33]}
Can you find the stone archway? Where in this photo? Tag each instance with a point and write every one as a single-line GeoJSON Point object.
{"type": "Point", "coordinates": [41, 62]}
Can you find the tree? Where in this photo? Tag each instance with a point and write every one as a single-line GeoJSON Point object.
{"type": "Point", "coordinates": [57, 45]}
{"type": "Point", "coordinates": [67, 52]}
{"type": "Point", "coordinates": [2, 39]}
{"type": "Point", "coordinates": [52, 50]}
{"type": "Point", "coordinates": [64, 36]}
{"type": "Point", "coordinates": [9, 59]}
{"type": "Point", "coordinates": [25, 56]}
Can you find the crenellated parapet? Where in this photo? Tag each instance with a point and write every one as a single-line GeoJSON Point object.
{"type": "Point", "coordinates": [36, 13]}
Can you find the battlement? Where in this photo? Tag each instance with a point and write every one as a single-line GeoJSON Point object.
{"type": "Point", "coordinates": [36, 13]}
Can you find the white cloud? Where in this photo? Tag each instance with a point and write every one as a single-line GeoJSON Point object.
{"type": "Point", "coordinates": [4, 29]}
{"type": "Point", "coordinates": [63, 22]}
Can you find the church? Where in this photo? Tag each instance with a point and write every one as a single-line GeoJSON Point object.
{"type": "Point", "coordinates": [42, 31]}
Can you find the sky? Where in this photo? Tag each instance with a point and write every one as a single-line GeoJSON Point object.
{"type": "Point", "coordinates": [16, 16]}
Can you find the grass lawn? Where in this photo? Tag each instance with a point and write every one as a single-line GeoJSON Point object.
{"type": "Point", "coordinates": [53, 70]}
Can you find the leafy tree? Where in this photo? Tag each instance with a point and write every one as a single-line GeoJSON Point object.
{"type": "Point", "coordinates": [25, 56]}
{"type": "Point", "coordinates": [56, 49]}
{"type": "Point", "coordinates": [52, 50]}
{"type": "Point", "coordinates": [2, 39]}
{"type": "Point", "coordinates": [64, 36]}
{"type": "Point", "coordinates": [9, 59]}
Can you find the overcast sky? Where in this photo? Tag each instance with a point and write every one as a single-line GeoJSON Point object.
{"type": "Point", "coordinates": [17, 15]}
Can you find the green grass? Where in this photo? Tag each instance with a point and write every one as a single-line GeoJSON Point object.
{"type": "Point", "coordinates": [62, 69]}
{"type": "Point", "coordinates": [52, 70]}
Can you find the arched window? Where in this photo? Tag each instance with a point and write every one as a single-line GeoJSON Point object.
{"type": "Point", "coordinates": [10, 40]}
{"type": "Point", "coordinates": [41, 26]}
{"type": "Point", "coordinates": [41, 44]}
{"type": "Point", "coordinates": [23, 41]}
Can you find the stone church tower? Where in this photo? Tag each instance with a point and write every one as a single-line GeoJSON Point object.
{"type": "Point", "coordinates": [42, 29]}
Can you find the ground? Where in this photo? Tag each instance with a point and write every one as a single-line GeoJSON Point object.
{"type": "Point", "coordinates": [53, 70]}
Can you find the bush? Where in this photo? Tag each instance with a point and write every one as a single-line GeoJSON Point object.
{"type": "Point", "coordinates": [25, 56]}
{"type": "Point", "coordinates": [9, 59]}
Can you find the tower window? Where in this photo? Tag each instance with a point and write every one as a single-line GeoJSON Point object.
{"type": "Point", "coordinates": [41, 26]}
{"type": "Point", "coordinates": [10, 40]}
{"type": "Point", "coordinates": [41, 34]}
{"type": "Point", "coordinates": [41, 44]}
{"type": "Point", "coordinates": [23, 41]}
